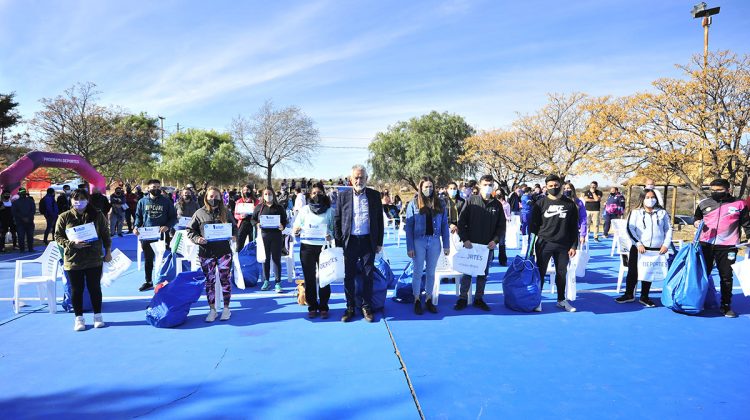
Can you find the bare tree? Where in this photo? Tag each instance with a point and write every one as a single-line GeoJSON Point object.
{"type": "Point", "coordinates": [275, 136]}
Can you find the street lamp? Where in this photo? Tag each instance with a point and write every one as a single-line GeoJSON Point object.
{"type": "Point", "coordinates": [701, 10]}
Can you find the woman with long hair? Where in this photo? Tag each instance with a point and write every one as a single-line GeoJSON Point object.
{"type": "Point", "coordinates": [83, 259]}
{"type": "Point", "coordinates": [273, 241]}
{"type": "Point", "coordinates": [650, 229]}
{"type": "Point", "coordinates": [214, 253]}
{"type": "Point", "coordinates": [426, 229]}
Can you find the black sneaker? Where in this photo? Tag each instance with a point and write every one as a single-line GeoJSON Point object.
{"type": "Point", "coordinates": [479, 303]}
{"type": "Point", "coordinates": [460, 304]}
{"type": "Point", "coordinates": [119, 234]}
{"type": "Point", "coordinates": [430, 307]}
{"type": "Point", "coordinates": [625, 299]}
{"type": "Point", "coordinates": [728, 312]}
{"type": "Point", "coordinates": [348, 315]}
{"type": "Point", "coordinates": [418, 307]}
{"type": "Point", "coordinates": [596, 238]}
{"type": "Point", "coordinates": [647, 302]}
{"type": "Point", "coordinates": [146, 286]}
{"type": "Point", "coordinates": [367, 314]}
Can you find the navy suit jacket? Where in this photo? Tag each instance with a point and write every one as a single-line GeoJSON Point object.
{"type": "Point", "coordinates": [344, 215]}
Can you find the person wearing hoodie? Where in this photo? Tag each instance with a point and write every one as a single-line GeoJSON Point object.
{"type": "Point", "coordinates": [7, 224]}
{"type": "Point", "coordinates": [24, 209]}
{"type": "Point", "coordinates": [153, 210]}
{"type": "Point", "coordinates": [316, 215]}
{"type": "Point", "coordinates": [48, 208]}
{"type": "Point", "coordinates": [650, 229]}
{"type": "Point", "coordinates": [63, 200]}
{"type": "Point", "coordinates": [455, 204]}
{"type": "Point", "coordinates": [83, 260]}
{"type": "Point", "coordinates": [723, 215]}
{"type": "Point", "coordinates": [213, 254]}
{"type": "Point", "coordinates": [613, 209]}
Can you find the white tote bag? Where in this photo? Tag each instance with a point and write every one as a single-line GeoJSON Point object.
{"type": "Point", "coordinates": [471, 262]}
{"type": "Point", "coordinates": [260, 249]}
{"type": "Point", "coordinates": [239, 278]}
{"type": "Point", "coordinates": [331, 266]}
{"type": "Point", "coordinates": [512, 233]}
{"type": "Point", "coordinates": [115, 268]}
{"type": "Point", "coordinates": [742, 270]}
{"type": "Point", "coordinates": [571, 290]}
{"type": "Point", "coordinates": [652, 266]}
{"type": "Point", "coordinates": [159, 247]}
{"type": "Point", "coordinates": [582, 260]}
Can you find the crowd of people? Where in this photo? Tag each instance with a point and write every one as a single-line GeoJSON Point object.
{"type": "Point", "coordinates": [354, 219]}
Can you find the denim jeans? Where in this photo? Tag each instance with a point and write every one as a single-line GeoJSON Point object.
{"type": "Point", "coordinates": [426, 250]}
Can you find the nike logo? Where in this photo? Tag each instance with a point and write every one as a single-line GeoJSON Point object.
{"type": "Point", "coordinates": [556, 210]}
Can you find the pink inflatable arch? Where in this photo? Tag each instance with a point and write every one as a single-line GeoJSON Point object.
{"type": "Point", "coordinates": [11, 177]}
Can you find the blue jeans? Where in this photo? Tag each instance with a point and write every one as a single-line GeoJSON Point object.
{"type": "Point", "coordinates": [426, 249]}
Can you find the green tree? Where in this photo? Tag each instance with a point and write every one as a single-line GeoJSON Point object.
{"type": "Point", "coordinates": [429, 145]}
{"type": "Point", "coordinates": [8, 115]}
{"type": "Point", "coordinates": [201, 155]}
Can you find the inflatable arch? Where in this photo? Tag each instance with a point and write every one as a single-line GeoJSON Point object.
{"type": "Point", "coordinates": [11, 177]}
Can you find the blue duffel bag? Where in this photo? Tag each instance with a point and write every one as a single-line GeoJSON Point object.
{"type": "Point", "coordinates": [171, 304]}
{"type": "Point", "coordinates": [521, 284]}
{"type": "Point", "coordinates": [404, 292]}
{"type": "Point", "coordinates": [379, 287]}
{"type": "Point", "coordinates": [168, 269]}
{"type": "Point", "coordinates": [384, 268]}
{"type": "Point", "coordinates": [249, 264]}
{"type": "Point", "coordinates": [688, 289]}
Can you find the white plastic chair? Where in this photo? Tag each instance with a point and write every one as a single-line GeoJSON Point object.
{"type": "Point", "coordinates": [621, 237]}
{"type": "Point", "coordinates": [390, 225]}
{"type": "Point", "coordinates": [50, 262]}
{"type": "Point", "coordinates": [401, 233]}
{"type": "Point", "coordinates": [444, 270]}
{"type": "Point", "coordinates": [139, 253]}
{"type": "Point", "coordinates": [291, 273]}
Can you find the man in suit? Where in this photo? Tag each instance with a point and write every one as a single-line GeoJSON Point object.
{"type": "Point", "coordinates": [358, 227]}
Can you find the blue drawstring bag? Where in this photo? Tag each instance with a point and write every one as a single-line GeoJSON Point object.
{"type": "Point", "coordinates": [521, 284]}
{"type": "Point", "coordinates": [404, 292]}
{"type": "Point", "coordinates": [171, 304]}
{"type": "Point", "coordinates": [379, 288]}
{"type": "Point", "coordinates": [249, 264]}
{"type": "Point", "coordinates": [687, 288]}
{"type": "Point", "coordinates": [384, 269]}
{"type": "Point", "coordinates": [168, 269]}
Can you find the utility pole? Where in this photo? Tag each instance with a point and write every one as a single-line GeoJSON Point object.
{"type": "Point", "coordinates": [178, 128]}
{"type": "Point", "coordinates": [702, 11]}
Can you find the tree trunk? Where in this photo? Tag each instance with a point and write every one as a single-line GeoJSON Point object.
{"type": "Point", "coordinates": [269, 173]}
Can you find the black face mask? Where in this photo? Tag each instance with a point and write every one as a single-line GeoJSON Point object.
{"type": "Point", "coordinates": [568, 193]}
{"type": "Point", "coordinates": [214, 202]}
{"type": "Point", "coordinates": [6, 197]}
{"type": "Point", "coordinates": [118, 192]}
{"type": "Point", "coordinates": [248, 194]}
{"type": "Point", "coordinates": [187, 197]}
{"type": "Point", "coordinates": [719, 195]}
{"type": "Point", "coordinates": [155, 192]}
{"type": "Point", "coordinates": [553, 191]}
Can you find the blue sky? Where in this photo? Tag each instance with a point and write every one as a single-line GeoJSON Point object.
{"type": "Point", "coordinates": [355, 67]}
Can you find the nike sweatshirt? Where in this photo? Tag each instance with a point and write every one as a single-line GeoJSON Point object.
{"type": "Point", "coordinates": [555, 221]}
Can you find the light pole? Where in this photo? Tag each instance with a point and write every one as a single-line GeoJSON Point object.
{"type": "Point", "coordinates": [161, 120]}
{"type": "Point", "coordinates": [702, 11]}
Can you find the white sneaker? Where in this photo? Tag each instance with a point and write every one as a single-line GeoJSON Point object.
{"type": "Point", "coordinates": [538, 308]}
{"type": "Point", "coordinates": [564, 304]}
{"type": "Point", "coordinates": [98, 321]}
{"type": "Point", "coordinates": [80, 324]}
{"type": "Point", "coordinates": [211, 316]}
{"type": "Point", "coordinates": [225, 314]}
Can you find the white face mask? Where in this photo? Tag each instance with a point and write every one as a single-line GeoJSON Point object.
{"type": "Point", "coordinates": [80, 205]}
{"type": "Point", "coordinates": [649, 187]}
{"type": "Point", "coordinates": [649, 202]}
{"type": "Point", "coordinates": [452, 193]}
{"type": "Point", "coordinates": [268, 198]}
{"type": "Point", "coordinates": [486, 190]}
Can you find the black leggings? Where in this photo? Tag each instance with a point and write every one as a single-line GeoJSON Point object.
{"type": "Point", "coordinates": [245, 231]}
{"type": "Point", "coordinates": [632, 279]}
{"type": "Point", "coordinates": [559, 254]}
{"type": "Point", "coordinates": [272, 243]}
{"type": "Point", "coordinates": [91, 277]}
{"type": "Point", "coordinates": [310, 256]}
{"type": "Point", "coordinates": [148, 256]}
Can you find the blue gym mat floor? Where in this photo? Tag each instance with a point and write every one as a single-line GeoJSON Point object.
{"type": "Point", "coordinates": [607, 360]}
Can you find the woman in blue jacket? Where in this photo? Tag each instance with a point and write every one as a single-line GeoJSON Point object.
{"type": "Point", "coordinates": [426, 228]}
